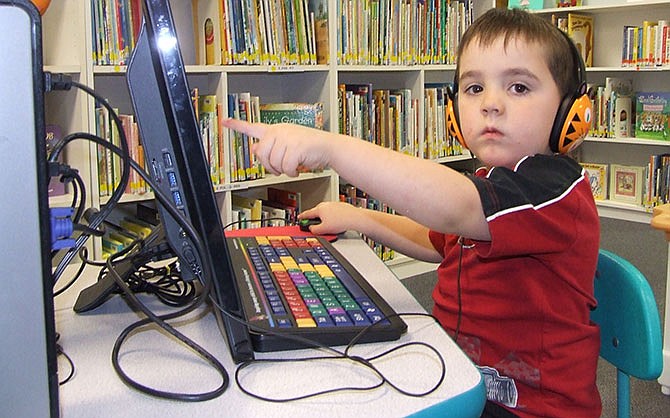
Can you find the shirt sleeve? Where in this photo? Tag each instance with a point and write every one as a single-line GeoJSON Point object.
{"type": "Point", "coordinates": [533, 208]}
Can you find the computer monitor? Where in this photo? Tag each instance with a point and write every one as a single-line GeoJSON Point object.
{"type": "Point", "coordinates": [176, 160]}
{"type": "Point", "coordinates": [28, 348]}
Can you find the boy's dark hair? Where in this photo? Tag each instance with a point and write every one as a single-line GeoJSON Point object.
{"type": "Point", "coordinates": [514, 24]}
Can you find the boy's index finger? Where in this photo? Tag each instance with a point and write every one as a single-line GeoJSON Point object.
{"type": "Point", "coordinates": [251, 129]}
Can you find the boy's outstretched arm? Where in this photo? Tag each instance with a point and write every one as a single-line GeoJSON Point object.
{"type": "Point", "coordinates": [431, 194]}
{"type": "Point", "coordinates": [394, 231]}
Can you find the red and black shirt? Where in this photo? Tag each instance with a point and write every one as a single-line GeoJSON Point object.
{"type": "Point", "coordinates": [526, 295]}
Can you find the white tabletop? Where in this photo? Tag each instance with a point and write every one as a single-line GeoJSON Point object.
{"type": "Point", "coordinates": [157, 360]}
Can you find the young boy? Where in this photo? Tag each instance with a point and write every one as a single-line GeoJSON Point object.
{"type": "Point", "coordinates": [518, 241]}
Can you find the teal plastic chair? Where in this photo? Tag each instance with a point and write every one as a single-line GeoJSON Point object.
{"type": "Point", "coordinates": [630, 329]}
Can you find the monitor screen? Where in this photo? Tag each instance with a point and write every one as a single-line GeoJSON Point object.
{"type": "Point", "coordinates": [176, 160]}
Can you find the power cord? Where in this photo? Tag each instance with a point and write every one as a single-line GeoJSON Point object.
{"type": "Point", "coordinates": [52, 82]}
{"type": "Point", "coordinates": [61, 352]}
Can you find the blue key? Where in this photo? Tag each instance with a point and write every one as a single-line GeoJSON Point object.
{"type": "Point", "coordinates": [359, 318]}
{"type": "Point", "coordinates": [341, 320]}
{"type": "Point", "coordinates": [323, 321]}
{"type": "Point", "coordinates": [283, 322]}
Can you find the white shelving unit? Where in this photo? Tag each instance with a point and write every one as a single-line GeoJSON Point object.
{"type": "Point", "coordinates": [68, 49]}
{"type": "Point", "coordinates": [609, 19]}
{"type": "Point", "coordinates": [68, 46]}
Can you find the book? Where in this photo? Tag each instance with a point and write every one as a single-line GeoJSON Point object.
{"type": "Point", "coordinates": [622, 117]}
{"type": "Point", "coordinates": [568, 3]}
{"type": "Point", "coordinates": [209, 132]}
{"type": "Point", "coordinates": [652, 111]}
{"type": "Point", "coordinates": [597, 176]}
{"type": "Point", "coordinates": [291, 201]}
{"type": "Point", "coordinates": [53, 136]}
{"type": "Point", "coordinates": [318, 10]}
{"type": "Point", "coordinates": [626, 183]}
{"type": "Point", "coordinates": [580, 30]}
{"type": "Point", "coordinates": [252, 208]}
{"type": "Point", "coordinates": [526, 4]}
{"type": "Point", "coordinates": [617, 100]}
{"type": "Point", "coordinates": [306, 114]}
{"type": "Point", "coordinates": [657, 187]}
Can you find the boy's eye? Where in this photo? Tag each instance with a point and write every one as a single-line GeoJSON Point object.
{"type": "Point", "coordinates": [474, 89]}
{"type": "Point", "coordinates": [519, 88]}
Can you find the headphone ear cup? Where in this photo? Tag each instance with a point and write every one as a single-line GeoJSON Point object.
{"type": "Point", "coordinates": [452, 120]}
{"type": "Point", "coordinates": [572, 123]}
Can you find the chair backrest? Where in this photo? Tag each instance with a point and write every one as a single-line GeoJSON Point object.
{"type": "Point", "coordinates": [630, 329]}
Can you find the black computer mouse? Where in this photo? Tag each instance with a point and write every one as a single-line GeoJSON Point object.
{"type": "Point", "coordinates": [307, 222]}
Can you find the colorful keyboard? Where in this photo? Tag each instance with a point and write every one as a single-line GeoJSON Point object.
{"type": "Point", "coordinates": [303, 286]}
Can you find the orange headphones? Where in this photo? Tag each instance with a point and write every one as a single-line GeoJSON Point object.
{"type": "Point", "coordinates": [573, 118]}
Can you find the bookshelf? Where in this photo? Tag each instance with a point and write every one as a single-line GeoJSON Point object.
{"type": "Point", "coordinates": [69, 48]}
{"type": "Point", "coordinates": [609, 20]}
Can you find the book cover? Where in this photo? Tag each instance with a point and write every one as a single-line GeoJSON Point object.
{"type": "Point", "coordinates": [319, 10]}
{"type": "Point", "coordinates": [306, 114]}
{"type": "Point", "coordinates": [53, 136]}
{"type": "Point", "coordinates": [580, 30]}
{"type": "Point", "coordinates": [526, 4]}
{"type": "Point", "coordinates": [626, 183]}
{"type": "Point", "coordinates": [285, 199]}
{"type": "Point", "coordinates": [617, 97]}
{"type": "Point", "coordinates": [252, 207]}
{"type": "Point", "coordinates": [597, 176]}
{"type": "Point", "coordinates": [622, 117]}
{"type": "Point", "coordinates": [652, 110]}
{"type": "Point", "coordinates": [209, 132]}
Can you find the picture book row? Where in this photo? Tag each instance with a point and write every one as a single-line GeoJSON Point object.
{"type": "Point", "coordinates": [220, 32]}
{"type": "Point", "coordinates": [401, 32]}
{"type": "Point", "coordinates": [242, 165]}
{"type": "Point", "coordinates": [639, 185]}
{"type": "Point", "coordinates": [278, 207]}
{"type": "Point", "coordinates": [276, 32]}
{"type": "Point", "coordinates": [643, 46]}
{"type": "Point", "coordinates": [647, 45]}
{"type": "Point", "coordinates": [539, 4]}
{"type": "Point", "coordinates": [390, 118]}
{"type": "Point", "coordinates": [352, 195]}
{"type": "Point", "coordinates": [620, 112]}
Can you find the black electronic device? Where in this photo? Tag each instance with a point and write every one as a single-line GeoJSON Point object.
{"type": "Point", "coordinates": [28, 348]}
{"type": "Point", "coordinates": [245, 285]}
{"type": "Point", "coordinates": [307, 222]}
{"type": "Point", "coordinates": [176, 160]}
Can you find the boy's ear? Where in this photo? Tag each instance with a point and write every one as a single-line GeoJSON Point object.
{"type": "Point", "coordinates": [453, 127]}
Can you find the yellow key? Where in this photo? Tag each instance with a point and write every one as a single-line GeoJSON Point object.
{"type": "Point", "coordinates": [305, 322]}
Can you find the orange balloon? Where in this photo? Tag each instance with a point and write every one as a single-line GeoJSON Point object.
{"type": "Point", "coordinates": [42, 5]}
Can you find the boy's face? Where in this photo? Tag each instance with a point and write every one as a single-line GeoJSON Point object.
{"type": "Point", "coordinates": [507, 101]}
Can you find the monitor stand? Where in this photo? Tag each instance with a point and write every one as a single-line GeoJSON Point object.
{"type": "Point", "coordinates": [154, 248]}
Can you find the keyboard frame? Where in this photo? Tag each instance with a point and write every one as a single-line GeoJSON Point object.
{"type": "Point", "coordinates": [278, 339]}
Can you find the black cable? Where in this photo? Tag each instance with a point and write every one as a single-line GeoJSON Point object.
{"type": "Point", "coordinates": [61, 352]}
{"type": "Point", "coordinates": [462, 245]}
{"type": "Point", "coordinates": [160, 320]}
{"type": "Point", "coordinates": [206, 279]}
{"type": "Point", "coordinates": [345, 356]}
{"type": "Point", "coordinates": [55, 81]}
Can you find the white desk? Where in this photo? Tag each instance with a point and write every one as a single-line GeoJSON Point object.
{"type": "Point", "coordinates": [159, 361]}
